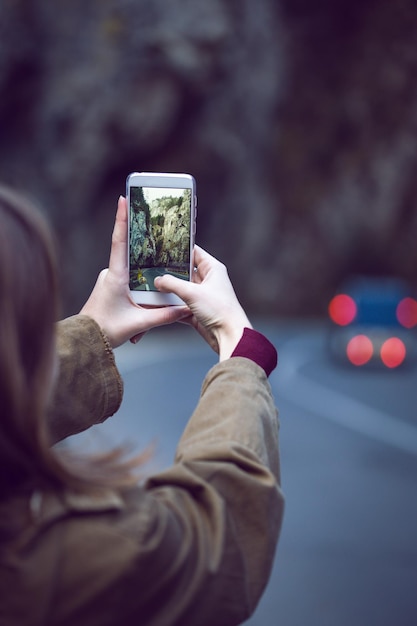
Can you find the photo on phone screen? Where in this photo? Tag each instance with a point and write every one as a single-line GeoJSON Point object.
{"type": "Point", "coordinates": [159, 235]}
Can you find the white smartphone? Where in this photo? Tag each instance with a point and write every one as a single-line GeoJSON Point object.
{"type": "Point", "coordinates": [162, 213]}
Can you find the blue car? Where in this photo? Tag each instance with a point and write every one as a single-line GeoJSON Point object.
{"type": "Point", "coordinates": [372, 322]}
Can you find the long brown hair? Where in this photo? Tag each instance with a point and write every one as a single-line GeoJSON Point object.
{"type": "Point", "coordinates": [28, 312]}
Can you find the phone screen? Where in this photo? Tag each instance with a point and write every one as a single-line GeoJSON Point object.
{"type": "Point", "coordinates": [159, 235]}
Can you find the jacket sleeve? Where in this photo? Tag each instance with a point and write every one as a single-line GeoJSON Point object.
{"type": "Point", "coordinates": [88, 386]}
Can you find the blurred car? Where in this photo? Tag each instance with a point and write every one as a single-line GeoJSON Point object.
{"type": "Point", "coordinates": [373, 321]}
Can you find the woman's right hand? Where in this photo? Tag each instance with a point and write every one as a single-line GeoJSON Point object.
{"type": "Point", "coordinates": [216, 312]}
{"type": "Point", "coordinates": [110, 303]}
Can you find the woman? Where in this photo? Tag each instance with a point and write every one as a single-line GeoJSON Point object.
{"type": "Point", "coordinates": [81, 541]}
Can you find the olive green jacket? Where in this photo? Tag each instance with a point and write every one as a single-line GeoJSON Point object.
{"type": "Point", "coordinates": [193, 545]}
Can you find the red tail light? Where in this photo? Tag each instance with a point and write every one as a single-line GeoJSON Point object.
{"type": "Point", "coordinates": [359, 350]}
{"type": "Point", "coordinates": [407, 312]}
{"type": "Point", "coordinates": [393, 352]}
{"type": "Point", "coordinates": [342, 309]}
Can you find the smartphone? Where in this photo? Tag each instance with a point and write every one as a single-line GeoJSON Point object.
{"type": "Point", "coordinates": [162, 213]}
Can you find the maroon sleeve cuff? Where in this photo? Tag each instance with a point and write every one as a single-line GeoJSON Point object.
{"type": "Point", "coordinates": [255, 346]}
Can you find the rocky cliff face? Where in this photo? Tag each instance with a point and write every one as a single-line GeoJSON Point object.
{"type": "Point", "coordinates": [160, 231]}
{"type": "Point", "coordinates": [171, 231]}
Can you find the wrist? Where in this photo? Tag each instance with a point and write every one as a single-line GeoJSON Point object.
{"type": "Point", "coordinates": [228, 338]}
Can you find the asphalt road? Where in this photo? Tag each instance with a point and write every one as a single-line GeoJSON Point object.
{"type": "Point", "coordinates": [348, 549]}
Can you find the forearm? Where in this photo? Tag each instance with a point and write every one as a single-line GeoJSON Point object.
{"type": "Point", "coordinates": [236, 408]}
{"type": "Point", "coordinates": [231, 443]}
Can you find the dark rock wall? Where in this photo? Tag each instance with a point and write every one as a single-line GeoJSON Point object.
{"type": "Point", "coordinates": [297, 119]}
{"type": "Point", "coordinates": [141, 237]}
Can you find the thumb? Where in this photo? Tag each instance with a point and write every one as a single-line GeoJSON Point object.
{"type": "Point", "coordinates": [171, 284]}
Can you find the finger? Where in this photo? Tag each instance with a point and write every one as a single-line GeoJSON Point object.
{"type": "Point", "coordinates": [204, 263]}
{"type": "Point", "coordinates": [200, 255]}
{"type": "Point", "coordinates": [196, 277]}
{"type": "Point", "coordinates": [136, 338]}
{"type": "Point", "coordinates": [181, 288]}
{"type": "Point", "coordinates": [189, 320]}
{"type": "Point", "coordinates": [118, 252]}
{"type": "Point", "coordinates": [164, 315]}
